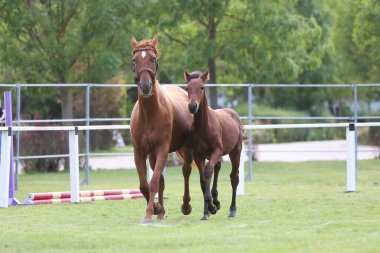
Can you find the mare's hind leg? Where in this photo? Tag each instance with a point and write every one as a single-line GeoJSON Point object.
{"type": "Point", "coordinates": [214, 190]}
{"type": "Point", "coordinates": [186, 171]}
{"type": "Point", "coordinates": [158, 207]}
{"type": "Point", "coordinates": [235, 161]}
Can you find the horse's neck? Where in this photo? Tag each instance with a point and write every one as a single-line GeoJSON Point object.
{"type": "Point", "coordinates": [201, 118]}
{"type": "Point", "coordinates": [149, 106]}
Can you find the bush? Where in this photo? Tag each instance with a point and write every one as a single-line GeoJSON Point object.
{"type": "Point", "coordinates": [105, 103]}
{"type": "Point", "coordinates": [34, 143]}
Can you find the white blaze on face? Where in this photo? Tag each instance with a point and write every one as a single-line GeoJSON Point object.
{"type": "Point", "coordinates": [143, 54]}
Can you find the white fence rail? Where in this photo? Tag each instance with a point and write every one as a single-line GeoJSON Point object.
{"type": "Point", "coordinates": [7, 133]}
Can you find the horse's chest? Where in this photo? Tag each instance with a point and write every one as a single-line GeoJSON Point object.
{"type": "Point", "coordinates": [201, 145]}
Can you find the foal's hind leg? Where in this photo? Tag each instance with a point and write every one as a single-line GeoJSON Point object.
{"type": "Point", "coordinates": [235, 160]}
{"type": "Point", "coordinates": [214, 190]}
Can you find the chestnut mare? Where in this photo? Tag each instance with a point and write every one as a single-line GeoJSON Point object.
{"type": "Point", "coordinates": [216, 133]}
{"type": "Point", "coordinates": [160, 124]}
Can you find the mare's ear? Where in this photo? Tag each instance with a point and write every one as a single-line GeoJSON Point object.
{"type": "Point", "coordinates": [133, 42]}
{"type": "Point", "coordinates": [154, 41]}
{"type": "Point", "coordinates": [205, 76]}
{"type": "Point", "coordinates": [187, 75]}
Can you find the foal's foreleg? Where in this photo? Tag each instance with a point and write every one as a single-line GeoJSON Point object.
{"type": "Point", "coordinates": [201, 166]}
{"type": "Point", "coordinates": [209, 169]}
{"type": "Point", "coordinates": [186, 171]}
{"type": "Point", "coordinates": [214, 190]}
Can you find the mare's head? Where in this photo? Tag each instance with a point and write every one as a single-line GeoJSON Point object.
{"type": "Point", "coordinates": [196, 88]}
{"type": "Point", "coordinates": [144, 64]}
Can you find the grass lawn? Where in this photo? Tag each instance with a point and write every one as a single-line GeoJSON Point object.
{"type": "Point", "coordinates": [288, 207]}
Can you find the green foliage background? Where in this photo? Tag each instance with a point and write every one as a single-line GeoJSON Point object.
{"type": "Point", "coordinates": [240, 41]}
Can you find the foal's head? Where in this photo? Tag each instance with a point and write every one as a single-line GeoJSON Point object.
{"type": "Point", "coordinates": [196, 88]}
{"type": "Point", "coordinates": [144, 64]}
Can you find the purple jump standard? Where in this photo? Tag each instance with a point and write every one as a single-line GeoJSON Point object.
{"type": "Point", "coordinates": [12, 201]}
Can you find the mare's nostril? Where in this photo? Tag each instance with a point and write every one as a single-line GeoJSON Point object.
{"type": "Point", "coordinates": [193, 108]}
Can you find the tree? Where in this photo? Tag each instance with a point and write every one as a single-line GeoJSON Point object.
{"type": "Point", "coordinates": [63, 42]}
{"type": "Point", "coordinates": [240, 41]}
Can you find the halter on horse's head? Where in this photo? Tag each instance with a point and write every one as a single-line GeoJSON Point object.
{"type": "Point", "coordinates": [144, 64]}
{"type": "Point", "coordinates": [195, 88]}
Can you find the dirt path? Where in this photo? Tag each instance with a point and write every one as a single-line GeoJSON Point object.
{"type": "Point", "coordinates": [283, 152]}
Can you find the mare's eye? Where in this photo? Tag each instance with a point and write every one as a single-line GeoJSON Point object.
{"type": "Point", "coordinates": [153, 59]}
{"type": "Point", "coordinates": [202, 88]}
{"type": "Point", "coordinates": [133, 65]}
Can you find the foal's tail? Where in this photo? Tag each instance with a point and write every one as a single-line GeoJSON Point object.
{"type": "Point", "coordinates": [181, 156]}
{"type": "Point", "coordinates": [243, 135]}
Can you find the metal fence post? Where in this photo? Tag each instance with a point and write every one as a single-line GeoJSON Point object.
{"type": "Point", "coordinates": [18, 113]}
{"type": "Point", "coordinates": [356, 132]}
{"type": "Point", "coordinates": [350, 142]}
{"type": "Point", "coordinates": [250, 165]}
{"type": "Point", "coordinates": [86, 180]}
{"type": "Point", "coordinates": [74, 165]}
{"type": "Point", "coordinates": [240, 187]}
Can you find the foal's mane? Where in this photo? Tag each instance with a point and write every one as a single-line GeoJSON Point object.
{"type": "Point", "coordinates": [195, 74]}
{"type": "Point", "coordinates": [144, 43]}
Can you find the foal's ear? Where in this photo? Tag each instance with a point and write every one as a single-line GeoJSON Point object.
{"type": "Point", "coordinates": [133, 41]}
{"type": "Point", "coordinates": [187, 75]}
{"type": "Point", "coordinates": [205, 76]}
{"type": "Point", "coordinates": [155, 41]}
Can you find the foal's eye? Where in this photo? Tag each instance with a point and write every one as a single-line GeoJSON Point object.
{"type": "Point", "coordinates": [186, 89]}
{"type": "Point", "coordinates": [202, 88]}
{"type": "Point", "coordinates": [153, 59]}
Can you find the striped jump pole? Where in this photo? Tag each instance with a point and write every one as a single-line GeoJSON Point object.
{"type": "Point", "coordinates": [84, 196]}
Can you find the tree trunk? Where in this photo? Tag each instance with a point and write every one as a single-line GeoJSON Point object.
{"type": "Point", "coordinates": [213, 92]}
{"type": "Point", "coordinates": [66, 104]}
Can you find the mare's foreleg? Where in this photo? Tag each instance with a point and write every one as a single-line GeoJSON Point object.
{"type": "Point", "coordinates": [161, 157]}
{"type": "Point", "coordinates": [158, 207]}
{"type": "Point", "coordinates": [140, 161]}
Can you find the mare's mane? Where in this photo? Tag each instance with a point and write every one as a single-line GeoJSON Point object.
{"type": "Point", "coordinates": [144, 43]}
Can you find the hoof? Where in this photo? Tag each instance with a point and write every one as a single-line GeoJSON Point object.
{"type": "Point", "coordinates": [186, 211]}
{"type": "Point", "coordinates": [217, 204]}
{"type": "Point", "coordinates": [157, 208]}
{"type": "Point", "coordinates": [232, 214]}
{"type": "Point", "coordinates": [146, 221]}
{"type": "Point", "coordinates": [161, 217]}
{"type": "Point", "coordinates": [205, 217]}
{"type": "Point", "coordinates": [212, 209]}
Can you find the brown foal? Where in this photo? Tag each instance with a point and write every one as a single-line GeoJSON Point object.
{"type": "Point", "coordinates": [216, 133]}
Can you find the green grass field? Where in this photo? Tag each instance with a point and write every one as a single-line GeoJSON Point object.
{"type": "Point", "coordinates": [288, 207]}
